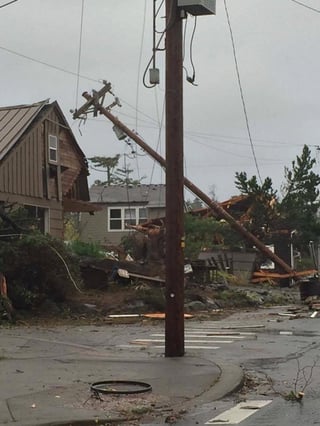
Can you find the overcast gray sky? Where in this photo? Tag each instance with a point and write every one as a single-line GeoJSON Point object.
{"type": "Point", "coordinates": [277, 48]}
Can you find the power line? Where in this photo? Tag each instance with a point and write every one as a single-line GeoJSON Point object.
{"type": "Point", "coordinates": [7, 4]}
{"type": "Point", "coordinates": [79, 52]}
{"type": "Point", "coordinates": [306, 6]}
{"type": "Point", "coordinates": [241, 91]}
{"type": "Point", "coordinates": [49, 65]}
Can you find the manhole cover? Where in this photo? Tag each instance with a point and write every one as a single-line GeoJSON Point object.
{"type": "Point", "coordinates": [120, 387]}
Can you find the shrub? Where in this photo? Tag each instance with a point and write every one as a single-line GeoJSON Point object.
{"type": "Point", "coordinates": [37, 268]}
{"type": "Point", "coordinates": [86, 249]}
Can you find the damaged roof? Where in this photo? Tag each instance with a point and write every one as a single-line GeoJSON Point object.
{"type": "Point", "coordinates": [235, 205]}
{"type": "Point", "coordinates": [151, 195]}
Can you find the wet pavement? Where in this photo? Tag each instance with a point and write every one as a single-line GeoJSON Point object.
{"type": "Point", "coordinates": [46, 376]}
{"type": "Point", "coordinates": [48, 372]}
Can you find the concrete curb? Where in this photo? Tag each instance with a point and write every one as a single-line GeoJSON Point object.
{"type": "Point", "coordinates": [230, 380]}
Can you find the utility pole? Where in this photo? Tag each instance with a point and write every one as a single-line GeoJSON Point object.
{"type": "Point", "coordinates": [174, 322]}
{"type": "Point", "coordinates": [94, 105]}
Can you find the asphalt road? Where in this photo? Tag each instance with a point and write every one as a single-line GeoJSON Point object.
{"type": "Point", "coordinates": [283, 357]}
{"type": "Point", "coordinates": [279, 353]}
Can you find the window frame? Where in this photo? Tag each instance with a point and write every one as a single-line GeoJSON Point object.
{"type": "Point", "coordinates": [138, 217]}
{"type": "Point", "coordinates": [52, 149]}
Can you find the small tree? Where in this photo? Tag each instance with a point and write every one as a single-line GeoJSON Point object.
{"type": "Point", "coordinates": [108, 165]}
{"type": "Point", "coordinates": [114, 174]}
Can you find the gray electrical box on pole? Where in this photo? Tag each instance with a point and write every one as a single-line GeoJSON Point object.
{"type": "Point", "coordinates": [198, 7]}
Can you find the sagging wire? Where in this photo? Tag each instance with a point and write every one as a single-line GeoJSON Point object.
{"type": "Point", "coordinates": [152, 60]}
{"type": "Point", "coordinates": [306, 6]}
{"type": "Point", "coordinates": [159, 137]}
{"type": "Point", "coordinates": [67, 268]}
{"type": "Point", "coordinates": [169, 23]}
{"type": "Point", "coordinates": [157, 13]}
{"type": "Point", "coordinates": [126, 172]}
{"type": "Point", "coordinates": [140, 61]}
{"type": "Point", "coordinates": [7, 4]}
{"type": "Point", "coordinates": [190, 79]}
{"type": "Point", "coordinates": [55, 67]}
{"type": "Point", "coordinates": [241, 91]}
{"type": "Point", "coordinates": [79, 52]}
{"type": "Point", "coordinates": [57, 253]}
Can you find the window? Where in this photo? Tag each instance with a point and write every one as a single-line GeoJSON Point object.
{"type": "Point", "coordinates": [115, 222]}
{"type": "Point", "coordinates": [130, 217]}
{"type": "Point", "coordinates": [53, 148]}
{"type": "Point", "coordinates": [143, 217]}
{"type": "Point", "coordinates": [121, 216]}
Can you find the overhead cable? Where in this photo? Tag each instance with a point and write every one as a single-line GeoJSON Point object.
{"type": "Point", "coordinates": [79, 52]}
{"type": "Point", "coordinates": [49, 65]}
{"type": "Point", "coordinates": [241, 91]}
{"type": "Point", "coordinates": [306, 6]}
{"type": "Point", "coordinates": [7, 4]}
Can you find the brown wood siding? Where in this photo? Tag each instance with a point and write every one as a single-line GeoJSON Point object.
{"type": "Point", "coordinates": [56, 221]}
{"type": "Point", "coordinates": [72, 164]}
{"type": "Point", "coordinates": [27, 177]}
{"type": "Point", "coordinates": [21, 171]}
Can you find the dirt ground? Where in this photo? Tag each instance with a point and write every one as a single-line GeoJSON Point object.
{"type": "Point", "coordinates": [205, 301]}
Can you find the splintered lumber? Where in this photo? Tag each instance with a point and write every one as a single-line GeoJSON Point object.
{"type": "Point", "coordinates": [145, 277]}
{"type": "Point", "coordinates": [260, 276]}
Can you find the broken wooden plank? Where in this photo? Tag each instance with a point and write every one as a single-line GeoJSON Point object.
{"type": "Point", "coordinates": [145, 277]}
{"type": "Point", "coordinates": [261, 275]}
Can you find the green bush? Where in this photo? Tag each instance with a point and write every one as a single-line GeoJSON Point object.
{"type": "Point", "coordinates": [38, 268]}
{"type": "Point", "coordinates": [86, 249]}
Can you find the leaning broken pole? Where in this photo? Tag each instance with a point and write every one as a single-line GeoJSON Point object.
{"type": "Point", "coordinates": [95, 104]}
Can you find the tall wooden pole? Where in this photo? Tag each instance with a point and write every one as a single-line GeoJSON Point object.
{"type": "Point", "coordinates": [174, 323]}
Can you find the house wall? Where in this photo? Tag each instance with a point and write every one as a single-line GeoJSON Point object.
{"type": "Point", "coordinates": [94, 228]}
{"type": "Point", "coordinates": [27, 177]}
{"type": "Point", "coordinates": [157, 212]}
{"type": "Point", "coordinates": [73, 172]}
{"type": "Point", "coordinates": [21, 171]}
{"type": "Point", "coordinates": [54, 211]}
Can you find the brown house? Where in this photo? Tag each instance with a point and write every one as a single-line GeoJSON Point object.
{"type": "Point", "coordinates": [41, 165]}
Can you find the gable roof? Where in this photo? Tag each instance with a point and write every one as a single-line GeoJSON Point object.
{"type": "Point", "coordinates": [151, 195]}
{"type": "Point", "coordinates": [14, 121]}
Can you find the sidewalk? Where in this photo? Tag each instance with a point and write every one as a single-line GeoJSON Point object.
{"type": "Point", "coordinates": [49, 387]}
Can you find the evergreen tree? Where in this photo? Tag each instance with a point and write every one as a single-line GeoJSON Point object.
{"type": "Point", "coordinates": [300, 203]}
{"type": "Point", "coordinates": [114, 174]}
{"type": "Point", "coordinates": [263, 211]}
